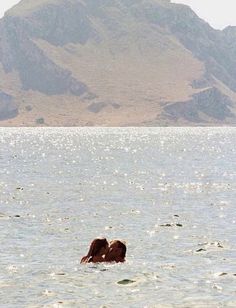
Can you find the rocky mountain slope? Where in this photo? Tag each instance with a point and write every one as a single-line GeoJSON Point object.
{"type": "Point", "coordinates": [114, 63]}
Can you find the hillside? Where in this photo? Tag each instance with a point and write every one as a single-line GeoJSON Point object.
{"type": "Point", "coordinates": [114, 63]}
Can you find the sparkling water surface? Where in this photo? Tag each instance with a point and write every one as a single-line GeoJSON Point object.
{"type": "Point", "coordinates": [168, 192]}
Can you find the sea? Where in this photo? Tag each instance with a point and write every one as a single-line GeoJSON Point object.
{"type": "Point", "coordinates": [169, 193]}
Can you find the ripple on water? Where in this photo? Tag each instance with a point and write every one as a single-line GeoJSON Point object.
{"type": "Point", "coordinates": [170, 193]}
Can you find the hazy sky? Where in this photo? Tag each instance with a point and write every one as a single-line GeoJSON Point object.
{"type": "Point", "coordinates": [6, 4]}
{"type": "Point", "coordinates": [219, 13]}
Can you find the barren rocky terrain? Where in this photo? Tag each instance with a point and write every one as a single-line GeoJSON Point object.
{"type": "Point", "coordinates": [114, 63]}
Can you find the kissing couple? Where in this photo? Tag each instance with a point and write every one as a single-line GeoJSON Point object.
{"type": "Point", "coordinates": [102, 251]}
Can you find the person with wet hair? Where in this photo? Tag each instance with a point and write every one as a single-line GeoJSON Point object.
{"type": "Point", "coordinates": [116, 252]}
{"type": "Point", "coordinates": [97, 251]}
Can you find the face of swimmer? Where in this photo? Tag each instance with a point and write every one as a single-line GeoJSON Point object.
{"type": "Point", "coordinates": [103, 250]}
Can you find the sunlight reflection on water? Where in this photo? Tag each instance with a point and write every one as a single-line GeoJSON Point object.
{"type": "Point", "coordinates": [169, 192]}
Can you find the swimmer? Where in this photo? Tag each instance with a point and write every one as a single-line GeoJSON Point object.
{"type": "Point", "coordinates": [116, 252]}
{"type": "Point", "coordinates": [97, 251]}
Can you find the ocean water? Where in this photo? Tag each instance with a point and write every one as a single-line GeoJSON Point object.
{"type": "Point", "coordinates": [168, 192]}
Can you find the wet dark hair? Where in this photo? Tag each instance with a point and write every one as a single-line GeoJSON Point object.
{"type": "Point", "coordinates": [118, 257]}
{"type": "Point", "coordinates": [123, 249]}
{"type": "Point", "coordinates": [96, 247]}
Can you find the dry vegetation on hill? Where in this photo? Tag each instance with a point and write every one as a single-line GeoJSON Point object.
{"type": "Point", "coordinates": [114, 63]}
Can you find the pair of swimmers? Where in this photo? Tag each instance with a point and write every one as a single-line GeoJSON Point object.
{"type": "Point", "coordinates": [102, 251]}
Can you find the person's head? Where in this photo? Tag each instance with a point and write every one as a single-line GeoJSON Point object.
{"type": "Point", "coordinates": [116, 252]}
{"type": "Point", "coordinates": [97, 250]}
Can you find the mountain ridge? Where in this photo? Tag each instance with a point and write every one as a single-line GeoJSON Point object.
{"type": "Point", "coordinates": [115, 63]}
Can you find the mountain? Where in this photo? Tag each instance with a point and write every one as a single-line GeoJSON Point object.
{"type": "Point", "coordinates": [114, 63]}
